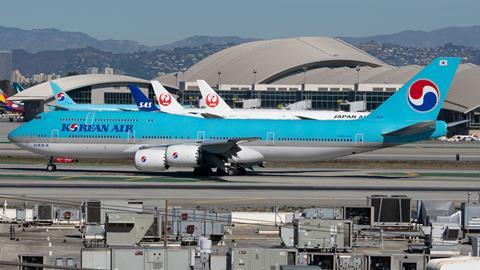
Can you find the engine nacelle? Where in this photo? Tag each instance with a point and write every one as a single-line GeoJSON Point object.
{"type": "Point", "coordinates": [246, 156]}
{"type": "Point", "coordinates": [151, 160]}
{"type": "Point", "coordinates": [183, 155]}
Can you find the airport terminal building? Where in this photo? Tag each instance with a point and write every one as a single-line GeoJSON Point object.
{"type": "Point", "coordinates": [326, 72]}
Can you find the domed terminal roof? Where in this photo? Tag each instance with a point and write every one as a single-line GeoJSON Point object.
{"type": "Point", "coordinates": [268, 61]}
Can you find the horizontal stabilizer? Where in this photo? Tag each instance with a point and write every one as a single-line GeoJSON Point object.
{"type": "Point", "coordinates": [58, 108]}
{"type": "Point", "coordinates": [305, 118]}
{"type": "Point", "coordinates": [127, 110]}
{"type": "Point", "coordinates": [456, 123]}
{"type": "Point", "coordinates": [414, 129]}
{"type": "Point", "coordinates": [210, 116]}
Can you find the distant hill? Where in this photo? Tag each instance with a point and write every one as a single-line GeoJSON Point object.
{"type": "Point", "coordinates": [37, 40]}
{"type": "Point", "coordinates": [142, 64]}
{"type": "Point", "coordinates": [198, 41]}
{"type": "Point", "coordinates": [52, 39]}
{"type": "Point", "coordinates": [465, 36]}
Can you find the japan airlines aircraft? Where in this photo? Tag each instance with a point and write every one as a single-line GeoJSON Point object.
{"type": "Point", "coordinates": [215, 105]}
{"type": "Point", "coordinates": [65, 103]}
{"type": "Point", "coordinates": [169, 104]}
{"type": "Point", "coordinates": [157, 141]}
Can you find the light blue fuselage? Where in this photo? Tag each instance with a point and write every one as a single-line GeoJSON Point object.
{"type": "Point", "coordinates": [121, 134]}
{"type": "Point", "coordinates": [101, 107]}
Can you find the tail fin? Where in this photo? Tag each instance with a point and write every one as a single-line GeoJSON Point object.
{"type": "Point", "coordinates": [143, 102]}
{"type": "Point", "coordinates": [3, 97]}
{"type": "Point", "coordinates": [166, 101]}
{"type": "Point", "coordinates": [18, 87]}
{"type": "Point", "coordinates": [60, 96]}
{"type": "Point", "coordinates": [422, 97]}
{"type": "Point", "coordinates": [213, 102]}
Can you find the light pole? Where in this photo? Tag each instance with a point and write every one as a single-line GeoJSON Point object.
{"type": "Point", "coordinates": [357, 85]}
{"type": "Point", "coordinates": [219, 75]}
{"type": "Point", "coordinates": [254, 72]}
{"type": "Point", "coordinates": [304, 77]}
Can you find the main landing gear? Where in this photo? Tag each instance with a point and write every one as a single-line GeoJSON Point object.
{"type": "Point", "coordinates": [50, 166]}
{"type": "Point", "coordinates": [229, 170]}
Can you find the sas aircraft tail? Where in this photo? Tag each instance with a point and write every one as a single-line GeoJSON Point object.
{"type": "Point", "coordinates": [215, 105]}
{"type": "Point", "coordinates": [60, 96]}
{"type": "Point", "coordinates": [422, 97]}
{"type": "Point", "coordinates": [143, 102]}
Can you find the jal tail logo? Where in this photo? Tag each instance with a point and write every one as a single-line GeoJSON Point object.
{"type": "Point", "coordinates": [73, 127]}
{"type": "Point", "coordinates": [165, 99]}
{"type": "Point", "coordinates": [60, 97]}
{"type": "Point", "coordinates": [212, 100]}
{"type": "Point", "coordinates": [146, 105]}
{"type": "Point", "coordinates": [143, 158]}
{"type": "Point", "coordinates": [423, 95]}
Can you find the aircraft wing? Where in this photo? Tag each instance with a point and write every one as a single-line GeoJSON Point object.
{"type": "Point", "coordinates": [414, 129]}
{"type": "Point", "coordinates": [214, 146]}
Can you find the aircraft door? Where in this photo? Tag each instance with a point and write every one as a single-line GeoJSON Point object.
{"type": "Point", "coordinates": [359, 138]}
{"type": "Point", "coordinates": [54, 137]}
{"type": "Point", "coordinates": [270, 138]}
{"type": "Point", "coordinates": [131, 136]}
{"type": "Point", "coordinates": [200, 135]}
{"type": "Point", "coordinates": [89, 119]}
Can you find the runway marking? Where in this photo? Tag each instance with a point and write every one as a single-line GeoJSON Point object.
{"type": "Point", "coordinates": [429, 174]}
{"type": "Point", "coordinates": [66, 178]}
{"type": "Point", "coordinates": [136, 178]}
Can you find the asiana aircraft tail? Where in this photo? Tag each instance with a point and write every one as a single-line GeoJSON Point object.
{"type": "Point", "coordinates": [158, 141]}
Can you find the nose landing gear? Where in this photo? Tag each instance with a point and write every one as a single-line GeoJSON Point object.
{"type": "Point", "coordinates": [51, 167]}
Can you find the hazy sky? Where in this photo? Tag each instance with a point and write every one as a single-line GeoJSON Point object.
{"type": "Point", "coordinates": [155, 22]}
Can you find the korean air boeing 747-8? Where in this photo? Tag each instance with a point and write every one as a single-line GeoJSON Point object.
{"type": "Point", "coordinates": [157, 141]}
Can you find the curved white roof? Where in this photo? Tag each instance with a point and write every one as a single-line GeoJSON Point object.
{"type": "Point", "coordinates": [272, 60]}
{"type": "Point", "coordinates": [43, 91]}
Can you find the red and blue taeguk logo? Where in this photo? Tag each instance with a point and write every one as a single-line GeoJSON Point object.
{"type": "Point", "coordinates": [423, 95]}
{"type": "Point", "coordinates": [143, 158]}
{"type": "Point", "coordinates": [175, 155]}
{"type": "Point", "coordinates": [60, 97]}
{"type": "Point", "coordinates": [74, 127]}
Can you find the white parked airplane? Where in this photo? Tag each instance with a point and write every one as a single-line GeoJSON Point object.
{"type": "Point", "coordinates": [216, 107]}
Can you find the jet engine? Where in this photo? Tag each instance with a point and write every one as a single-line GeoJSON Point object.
{"type": "Point", "coordinates": [152, 160]}
{"type": "Point", "coordinates": [160, 159]}
{"type": "Point", "coordinates": [246, 156]}
{"type": "Point", "coordinates": [182, 155]}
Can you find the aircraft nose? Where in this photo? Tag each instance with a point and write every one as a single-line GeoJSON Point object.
{"type": "Point", "coordinates": [13, 135]}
